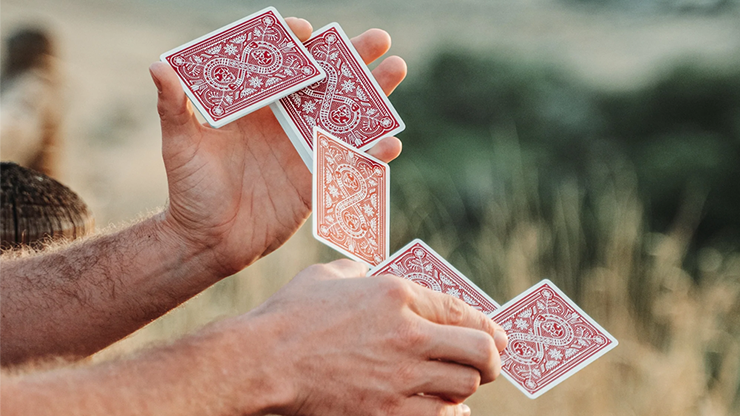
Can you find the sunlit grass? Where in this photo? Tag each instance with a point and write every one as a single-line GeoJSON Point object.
{"type": "Point", "coordinates": [679, 331]}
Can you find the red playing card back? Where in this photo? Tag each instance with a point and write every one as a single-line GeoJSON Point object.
{"type": "Point", "coordinates": [550, 339]}
{"type": "Point", "coordinates": [350, 200]}
{"type": "Point", "coordinates": [348, 104]}
{"type": "Point", "coordinates": [242, 67]}
{"type": "Point", "coordinates": [419, 263]}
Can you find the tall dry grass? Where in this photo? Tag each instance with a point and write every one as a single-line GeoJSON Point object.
{"type": "Point", "coordinates": [679, 331]}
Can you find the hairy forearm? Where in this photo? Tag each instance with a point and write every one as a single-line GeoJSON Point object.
{"type": "Point", "coordinates": [210, 374]}
{"type": "Point", "coordinates": [76, 300]}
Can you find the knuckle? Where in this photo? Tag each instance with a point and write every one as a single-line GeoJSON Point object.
{"type": "Point", "coordinates": [446, 409]}
{"type": "Point", "coordinates": [395, 288]}
{"type": "Point", "coordinates": [315, 270]}
{"type": "Point", "coordinates": [161, 109]}
{"type": "Point", "coordinates": [177, 115]}
{"type": "Point", "coordinates": [388, 406]}
{"type": "Point", "coordinates": [413, 335]}
{"type": "Point", "coordinates": [342, 263]}
{"type": "Point", "coordinates": [496, 365]}
{"type": "Point", "coordinates": [483, 323]}
{"type": "Point", "coordinates": [407, 374]}
{"type": "Point", "coordinates": [470, 383]}
{"type": "Point", "coordinates": [486, 347]}
{"type": "Point", "coordinates": [347, 268]}
{"type": "Point", "coordinates": [456, 311]}
{"type": "Point", "coordinates": [487, 356]}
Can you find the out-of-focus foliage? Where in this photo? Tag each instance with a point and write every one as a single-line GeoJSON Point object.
{"type": "Point", "coordinates": [625, 199]}
{"type": "Point", "coordinates": [683, 6]}
{"type": "Point", "coordinates": [680, 134]}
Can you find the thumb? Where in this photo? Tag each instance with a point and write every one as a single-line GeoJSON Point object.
{"type": "Point", "coordinates": [175, 114]}
{"type": "Point", "coordinates": [346, 268]}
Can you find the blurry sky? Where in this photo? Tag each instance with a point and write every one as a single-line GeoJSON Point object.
{"type": "Point", "coordinates": [112, 137]}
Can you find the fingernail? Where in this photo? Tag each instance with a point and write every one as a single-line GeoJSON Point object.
{"type": "Point", "coordinates": [156, 81]}
{"type": "Point", "coordinates": [465, 409]}
{"type": "Point", "coordinates": [501, 339]}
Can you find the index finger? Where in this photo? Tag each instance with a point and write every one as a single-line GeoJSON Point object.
{"type": "Point", "coordinates": [444, 309]}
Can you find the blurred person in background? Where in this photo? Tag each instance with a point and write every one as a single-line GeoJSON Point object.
{"type": "Point", "coordinates": [30, 104]}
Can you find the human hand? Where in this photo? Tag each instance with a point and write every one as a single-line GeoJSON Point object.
{"type": "Point", "coordinates": [239, 192]}
{"type": "Point", "coordinates": [338, 343]}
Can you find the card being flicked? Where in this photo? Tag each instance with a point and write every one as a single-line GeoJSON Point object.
{"type": "Point", "coordinates": [550, 339]}
{"type": "Point", "coordinates": [350, 200]}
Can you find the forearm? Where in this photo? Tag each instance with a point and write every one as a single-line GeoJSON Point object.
{"type": "Point", "coordinates": [213, 373]}
{"type": "Point", "coordinates": [79, 299]}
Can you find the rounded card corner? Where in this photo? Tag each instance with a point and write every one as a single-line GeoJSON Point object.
{"type": "Point", "coordinates": [271, 9]}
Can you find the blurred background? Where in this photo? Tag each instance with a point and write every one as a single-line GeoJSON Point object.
{"type": "Point", "coordinates": [592, 142]}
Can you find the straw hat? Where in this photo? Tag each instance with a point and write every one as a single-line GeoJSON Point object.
{"type": "Point", "coordinates": [35, 207]}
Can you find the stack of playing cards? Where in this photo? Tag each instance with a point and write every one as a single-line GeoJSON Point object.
{"type": "Point", "coordinates": [258, 61]}
{"type": "Point", "coordinates": [332, 109]}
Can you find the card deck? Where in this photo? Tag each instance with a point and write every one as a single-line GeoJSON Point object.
{"type": "Point", "coordinates": [243, 66]}
{"type": "Point", "coordinates": [348, 104]}
{"type": "Point", "coordinates": [550, 339]}
{"type": "Point", "coordinates": [419, 263]}
{"type": "Point", "coordinates": [350, 199]}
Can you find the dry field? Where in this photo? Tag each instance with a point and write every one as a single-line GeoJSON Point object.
{"type": "Point", "coordinates": [679, 330]}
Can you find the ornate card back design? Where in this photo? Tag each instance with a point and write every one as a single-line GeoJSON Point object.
{"type": "Point", "coordinates": [348, 103]}
{"type": "Point", "coordinates": [350, 203]}
{"type": "Point", "coordinates": [420, 264]}
{"type": "Point", "coordinates": [242, 67]}
{"type": "Point", "coordinates": [550, 338]}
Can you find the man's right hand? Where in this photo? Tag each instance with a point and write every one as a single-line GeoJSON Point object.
{"type": "Point", "coordinates": [331, 342]}
{"type": "Point", "coordinates": [336, 343]}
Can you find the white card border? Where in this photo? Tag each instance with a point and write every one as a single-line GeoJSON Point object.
{"type": "Point", "coordinates": [286, 125]}
{"type": "Point", "coordinates": [314, 189]}
{"type": "Point", "coordinates": [277, 107]}
{"type": "Point", "coordinates": [584, 315]}
{"type": "Point", "coordinates": [439, 257]}
{"type": "Point", "coordinates": [256, 106]}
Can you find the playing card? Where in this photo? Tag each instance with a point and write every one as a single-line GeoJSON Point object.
{"type": "Point", "coordinates": [550, 339]}
{"type": "Point", "coordinates": [243, 66]}
{"type": "Point", "coordinates": [304, 152]}
{"type": "Point", "coordinates": [348, 103]}
{"type": "Point", "coordinates": [419, 263]}
{"type": "Point", "coordinates": [350, 200]}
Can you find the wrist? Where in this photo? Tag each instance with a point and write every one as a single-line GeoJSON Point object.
{"type": "Point", "coordinates": [193, 253]}
{"type": "Point", "coordinates": [225, 369]}
{"type": "Point", "coordinates": [246, 355]}
{"type": "Point", "coordinates": [206, 244]}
